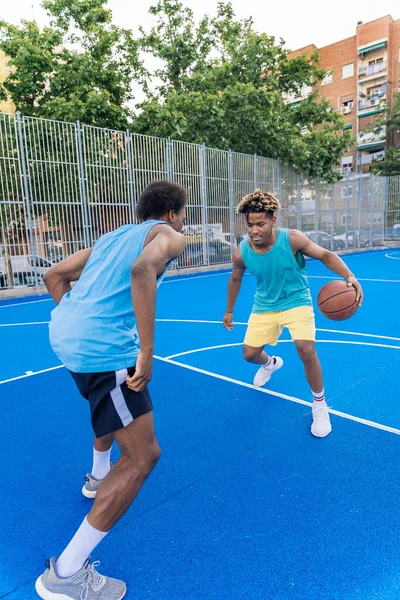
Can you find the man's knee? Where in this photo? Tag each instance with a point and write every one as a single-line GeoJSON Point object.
{"type": "Point", "coordinates": [251, 354]}
{"type": "Point", "coordinates": [306, 351]}
{"type": "Point", "coordinates": [154, 455]}
{"type": "Point", "coordinates": [147, 459]}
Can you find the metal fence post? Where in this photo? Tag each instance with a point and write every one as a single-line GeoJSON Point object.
{"type": "Point", "coordinates": [298, 203]}
{"type": "Point", "coordinates": [274, 191]}
{"type": "Point", "coordinates": [168, 161]}
{"type": "Point", "coordinates": [131, 182]}
{"type": "Point", "coordinates": [385, 205]}
{"type": "Point", "coordinates": [24, 173]}
{"type": "Point", "coordinates": [372, 205]}
{"type": "Point", "coordinates": [203, 175]}
{"type": "Point", "coordinates": [360, 206]}
{"type": "Point", "coordinates": [82, 188]}
{"type": "Point", "coordinates": [279, 188]}
{"type": "Point", "coordinates": [231, 201]}
{"type": "Point", "coordinates": [333, 210]}
{"type": "Point", "coordinates": [255, 174]}
{"type": "Point", "coordinates": [316, 205]}
{"type": "Point", "coordinates": [347, 213]}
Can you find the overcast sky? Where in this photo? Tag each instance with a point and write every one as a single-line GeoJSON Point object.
{"type": "Point", "coordinates": [299, 22]}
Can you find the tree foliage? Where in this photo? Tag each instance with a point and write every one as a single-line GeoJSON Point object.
{"type": "Point", "coordinates": [222, 83]}
{"type": "Point", "coordinates": [389, 117]}
{"type": "Point", "coordinates": [218, 81]}
{"type": "Point", "coordinates": [81, 66]}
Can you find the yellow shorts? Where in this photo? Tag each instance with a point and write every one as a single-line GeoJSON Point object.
{"type": "Point", "coordinates": [265, 328]}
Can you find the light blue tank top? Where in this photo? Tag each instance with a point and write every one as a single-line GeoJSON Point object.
{"type": "Point", "coordinates": [281, 277]}
{"type": "Point", "coordinates": [93, 329]}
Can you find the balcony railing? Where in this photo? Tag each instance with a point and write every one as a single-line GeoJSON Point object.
{"type": "Point", "coordinates": [372, 69]}
{"type": "Point", "coordinates": [371, 102]}
{"type": "Point", "coordinates": [303, 93]}
{"type": "Point", "coordinates": [371, 137]}
{"type": "Point", "coordinates": [367, 159]}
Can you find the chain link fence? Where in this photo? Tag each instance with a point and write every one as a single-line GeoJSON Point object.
{"type": "Point", "coordinates": [63, 185]}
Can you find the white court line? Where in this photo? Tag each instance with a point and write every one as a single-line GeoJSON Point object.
{"type": "Point", "coordinates": [31, 373]}
{"type": "Point", "coordinates": [282, 342]}
{"type": "Point", "coordinates": [284, 396]}
{"type": "Point", "coordinates": [203, 350]}
{"type": "Point", "coordinates": [193, 321]}
{"type": "Point", "coordinates": [389, 255]}
{"type": "Point", "coordinates": [241, 383]}
{"type": "Point", "coordinates": [372, 335]}
{"type": "Point", "coordinates": [188, 277]}
{"type": "Point", "coordinates": [23, 303]}
{"type": "Point", "coordinates": [341, 278]}
{"type": "Point", "coordinates": [358, 279]}
{"type": "Point", "coordinates": [20, 324]}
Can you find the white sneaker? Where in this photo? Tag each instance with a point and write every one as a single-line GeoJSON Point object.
{"type": "Point", "coordinates": [321, 425]}
{"type": "Point", "coordinates": [264, 373]}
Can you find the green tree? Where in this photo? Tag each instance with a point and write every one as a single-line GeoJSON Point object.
{"type": "Point", "coordinates": [389, 117]}
{"type": "Point", "coordinates": [222, 83]}
{"type": "Point", "coordinates": [79, 67]}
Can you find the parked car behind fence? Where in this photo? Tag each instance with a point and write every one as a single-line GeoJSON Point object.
{"type": "Point", "coordinates": [23, 269]}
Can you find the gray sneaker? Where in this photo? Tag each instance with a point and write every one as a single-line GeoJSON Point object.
{"type": "Point", "coordinates": [92, 484]}
{"type": "Point", "coordinates": [87, 584]}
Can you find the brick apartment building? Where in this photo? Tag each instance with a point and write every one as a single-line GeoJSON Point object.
{"type": "Point", "coordinates": [7, 106]}
{"type": "Point", "coordinates": [362, 70]}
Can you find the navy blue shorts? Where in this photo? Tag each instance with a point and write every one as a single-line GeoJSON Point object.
{"type": "Point", "coordinates": [112, 404]}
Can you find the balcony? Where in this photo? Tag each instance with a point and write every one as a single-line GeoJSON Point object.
{"type": "Point", "coordinates": [371, 102]}
{"type": "Point", "coordinates": [371, 137]}
{"type": "Point", "coordinates": [305, 91]}
{"type": "Point", "coordinates": [367, 71]}
{"type": "Point", "coordinates": [367, 159]}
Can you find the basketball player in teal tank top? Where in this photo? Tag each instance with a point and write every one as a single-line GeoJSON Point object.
{"type": "Point", "coordinates": [275, 257]}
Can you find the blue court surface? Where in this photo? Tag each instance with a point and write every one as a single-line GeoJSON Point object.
{"type": "Point", "coordinates": [245, 504]}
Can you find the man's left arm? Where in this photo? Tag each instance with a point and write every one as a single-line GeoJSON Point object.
{"type": "Point", "coordinates": [301, 243]}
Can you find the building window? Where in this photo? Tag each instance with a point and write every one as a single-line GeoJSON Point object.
{"type": "Point", "coordinates": [344, 191]}
{"type": "Point", "coordinates": [327, 79]}
{"type": "Point", "coordinates": [347, 101]}
{"type": "Point", "coordinates": [347, 71]}
{"type": "Point", "coordinates": [347, 164]}
{"type": "Point", "coordinates": [375, 61]}
{"type": "Point", "coordinates": [347, 219]}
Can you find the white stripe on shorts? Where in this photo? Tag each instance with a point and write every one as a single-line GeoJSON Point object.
{"type": "Point", "coordinates": [119, 400]}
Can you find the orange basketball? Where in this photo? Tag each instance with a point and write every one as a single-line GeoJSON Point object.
{"type": "Point", "coordinates": [337, 301]}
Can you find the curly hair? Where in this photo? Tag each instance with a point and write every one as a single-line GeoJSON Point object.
{"type": "Point", "coordinates": [259, 202]}
{"type": "Point", "coordinates": [159, 198]}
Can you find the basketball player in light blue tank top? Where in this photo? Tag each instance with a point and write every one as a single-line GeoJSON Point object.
{"type": "Point", "coordinates": [275, 257]}
{"type": "Point", "coordinates": [103, 331]}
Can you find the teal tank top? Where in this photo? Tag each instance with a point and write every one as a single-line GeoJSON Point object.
{"type": "Point", "coordinates": [281, 277]}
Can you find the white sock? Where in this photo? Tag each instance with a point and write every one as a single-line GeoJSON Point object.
{"type": "Point", "coordinates": [101, 463]}
{"type": "Point", "coordinates": [319, 397]}
{"type": "Point", "coordinates": [269, 362]}
{"type": "Point", "coordinates": [79, 549]}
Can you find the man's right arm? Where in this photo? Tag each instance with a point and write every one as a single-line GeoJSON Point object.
{"type": "Point", "coordinates": [150, 264]}
{"type": "Point", "coordinates": [234, 285]}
